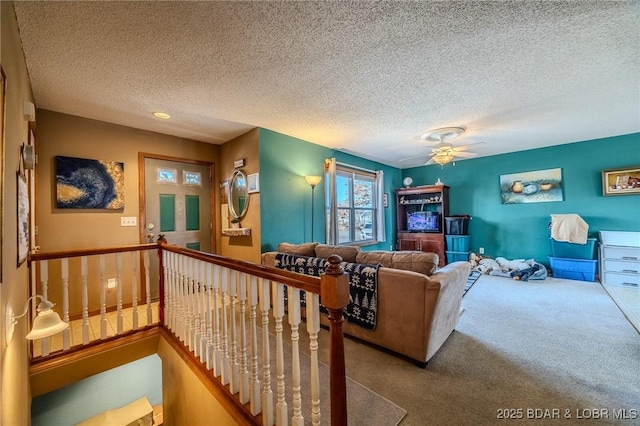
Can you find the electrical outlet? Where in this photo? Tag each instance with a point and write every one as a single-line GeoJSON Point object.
{"type": "Point", "coordinates": [111, 283]}
{"type": "Point", "coordinates": [481, 250]}
{"type": "Point", "coordinates": [129, 221]}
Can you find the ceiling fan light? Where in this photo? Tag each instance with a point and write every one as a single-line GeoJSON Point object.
{"type": "Point", "coordinates": [443, 158]}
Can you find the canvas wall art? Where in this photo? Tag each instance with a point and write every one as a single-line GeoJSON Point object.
{"type": "Point", "coordinates": [89, 184]}
{"type": "Point", "coordinates": [621, 181]}
{"type": "Point", "coordinates": [538, 186]}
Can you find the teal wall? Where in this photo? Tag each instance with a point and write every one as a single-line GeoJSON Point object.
{"type": "Point", "coordinates": [521, 230]}
{"type": "Point", "coordinates": [285, 197]}
{"type": "Point", "coordinates": [105, 391]}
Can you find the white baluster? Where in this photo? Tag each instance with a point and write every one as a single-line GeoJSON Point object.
{"type": "Point", "coordinates": [181, 299]}
{"type": "Point", "coordinates": [134, 289]}
{"type": "Point", "coordinates": [202, 311]}
{"type": "Point", "coordinates": [233, 347]}
{"type": "Point", "coordinates": [224, 341]}
{"type": "Point", "coordinates": [103, 297]}
{"type": "Point", "coordinates": [255, 406]}
{"type": "Point", "coordinates": [66, 334]}
{"type": "Point", "coordinates": [196, 307]}
{"type": "Point", "coordinates": [313, 328]}
{"type": "Point", "coordinates": [217, 352]}
{"type": "Point", "coordinates": [85, 300]}
{"type": "Point", "coordinates": [119, 288]}
{"type": "Point", "coordinates": [147, 286]}
{"type": "Point", "coordinates": [210, 352]}
{"type": "Point", "coordinates": [191, 301]}
{"type": "Point", "coordinates": [278, 314]}
{"type": "Point", "coordinates": [244, 371]}
{"type": "Point", "coordinates": [267, 393]}
{"type": "Point", "coordinates": [44, 283]}
{"type": "Point", "coordinates": [294, 322]}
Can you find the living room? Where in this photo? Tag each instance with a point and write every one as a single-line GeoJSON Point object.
{"type": "Point", "coordinates": [281, 210]}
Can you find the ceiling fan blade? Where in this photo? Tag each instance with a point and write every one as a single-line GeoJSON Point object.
{"type": "Point", "coordinates": [431, 161]}
{"type": "Point", "coordinates": [463, 154]}
{"type": "Point", "coordinates": [412, 158]}
{"type": "Point", "coordinates": [462, 147]}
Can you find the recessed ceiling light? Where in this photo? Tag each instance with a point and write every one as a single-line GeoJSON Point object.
{"type": "Point", "coordinates": [162, 115]}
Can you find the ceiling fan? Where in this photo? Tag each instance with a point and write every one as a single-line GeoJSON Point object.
{"type": "Point", "coordinates": [444, 152]}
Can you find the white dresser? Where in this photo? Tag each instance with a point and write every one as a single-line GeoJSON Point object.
{"type": "Point", "coordinates": [620, 258]}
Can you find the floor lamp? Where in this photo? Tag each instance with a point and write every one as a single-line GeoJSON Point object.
{"type": "Point", "coordinates": [313, 181]}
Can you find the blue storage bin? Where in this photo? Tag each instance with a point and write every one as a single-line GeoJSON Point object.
{"type": "Point", "coordinates": [573, 251]}
{"type": "Point", "coordinates": [573, 269]}
{"type": "Point", "coordinates": [457, 256]}
{"type": "Point", "coordinates": [458, 242]}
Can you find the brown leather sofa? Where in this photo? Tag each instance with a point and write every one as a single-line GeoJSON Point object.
{"type": "Point", "coordinates": [417, 311]}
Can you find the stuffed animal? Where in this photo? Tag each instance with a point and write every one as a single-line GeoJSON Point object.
{"type": "Point", "coordinates": [515, 265]}
{"type": "Point", "coordinates": [485, 266]}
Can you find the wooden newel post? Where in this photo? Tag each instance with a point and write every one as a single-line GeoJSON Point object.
{"type": "Point", "coordinates": [161, 241]}
{"type": "Point", "coordinates": [334, 291]}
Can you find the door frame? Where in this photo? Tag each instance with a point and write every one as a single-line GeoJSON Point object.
{"type": "Point", "coordinates": [142, 156]}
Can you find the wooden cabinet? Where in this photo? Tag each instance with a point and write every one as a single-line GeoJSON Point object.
{"type": "Point", "coordinates": [620, 266]}
{"type": "Point", "coordinates": [421, 223]}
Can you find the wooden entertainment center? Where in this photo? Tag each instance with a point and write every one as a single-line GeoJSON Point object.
{"type": "Point", "coordinates": [421, 218]}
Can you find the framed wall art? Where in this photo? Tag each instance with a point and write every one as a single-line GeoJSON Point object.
{"type": "Point", "coordinates": [624, 181]}
{"type": "Point", "coordinates": [2, 114]}
{"type": "Point", "coordinates": [253, 182]}
{"type": "Point", "coordinates": [537, 186]}
{"type": "Point", "coordinates": [89, 184]}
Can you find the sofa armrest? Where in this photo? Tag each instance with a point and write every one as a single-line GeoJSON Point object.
{"type": "Point", "coordinates": [452, 279]}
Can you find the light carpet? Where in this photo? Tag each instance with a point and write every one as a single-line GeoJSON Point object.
{"type": "Point", "coordinates": [628, 300]}
{"type": "Point", "coordinates": [549, 344]}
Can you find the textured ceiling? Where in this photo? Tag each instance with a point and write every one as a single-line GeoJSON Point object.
{"type": "Point", "coordinates": [365, 77]}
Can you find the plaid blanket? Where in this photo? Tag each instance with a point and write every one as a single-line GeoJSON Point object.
{"type": "Point", "coordinates": [363, 285]}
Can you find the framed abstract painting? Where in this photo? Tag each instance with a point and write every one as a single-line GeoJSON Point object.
{"type": "Point", "coordinates": [89, 184]}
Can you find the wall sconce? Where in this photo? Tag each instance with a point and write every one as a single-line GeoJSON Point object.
{"type": "Point", "coordinates": [313, 181]}
{"type": "Point", "coordinates": [46, 324]}
{"type": "Point", "coordinates": [29, 111]}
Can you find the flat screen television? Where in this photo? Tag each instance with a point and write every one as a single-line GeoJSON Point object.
{"type": "Point", "coordinates": [423, 222]}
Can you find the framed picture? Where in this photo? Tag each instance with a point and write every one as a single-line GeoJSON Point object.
{"type": "Point", "coordinates": [89, 184]}
{"type": "Point", "coordinates": [23, 217]}
{"type": "Point", "coordinates": [254, 182]}
{"type": "Point", "coordinates": [621, 181]}
{"type": "Point", "coordinates": [537, 186]}
{"type": "Point", "coordinates": [2, 109]}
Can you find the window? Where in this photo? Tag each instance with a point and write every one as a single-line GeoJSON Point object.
{"type": "Point", "coordinates": [354, 207]}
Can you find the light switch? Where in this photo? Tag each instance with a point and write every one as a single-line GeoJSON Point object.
{"type": "Point", "coordinates": [129, 221]}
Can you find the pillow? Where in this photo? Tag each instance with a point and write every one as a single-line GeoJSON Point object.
{"type": "Point", "coordinates": [375, 257]}
{"type": "Point", "coordinates": [347, 253]}
{"type": "Point", "coordinates": [416, 261]}
{"type": "Point", "coordinates": [304, 249]}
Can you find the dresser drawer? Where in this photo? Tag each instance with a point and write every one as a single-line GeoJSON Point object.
{"type": "Point", "coordinates": [621, 266]}
{"type": "Point", "coordinates": [631, 281]}
{"type": "Point", "coordinates": [621, 253]}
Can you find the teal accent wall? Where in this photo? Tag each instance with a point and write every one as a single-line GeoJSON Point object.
{"type": "Point", "coordinates": [105, 391]}
{"type": "Point", "coordinates": [285, 196]}
{"type": "Point", "coordinates": [521, 230]}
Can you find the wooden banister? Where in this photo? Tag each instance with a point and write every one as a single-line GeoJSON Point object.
{"type": "Point", "coordinates": [89, 252]}
{"type": "Point", "coordinates": [335, 297]}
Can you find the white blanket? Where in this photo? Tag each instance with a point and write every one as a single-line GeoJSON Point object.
{"type": "Point", "coordinates": [569, 228]}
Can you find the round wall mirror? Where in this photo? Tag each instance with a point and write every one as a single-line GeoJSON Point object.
{"type": "Point", "coordinates": [238, 195]}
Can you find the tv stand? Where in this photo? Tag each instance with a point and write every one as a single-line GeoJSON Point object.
{"type": "Point", "coordinates": [432, 198]}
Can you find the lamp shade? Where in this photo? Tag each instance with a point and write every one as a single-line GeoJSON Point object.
{"type": "Point", "coordinates": [313, 180]}
{"type": "Point", "coordinates": [47, 323]}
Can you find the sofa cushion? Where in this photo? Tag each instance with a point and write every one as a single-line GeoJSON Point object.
{"type": "Point", "coordinates": [304, 249]}
{"type": "Point", "coordinates": [416, 261]}
{"type": "Point", "coordinates": [347, 253]}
